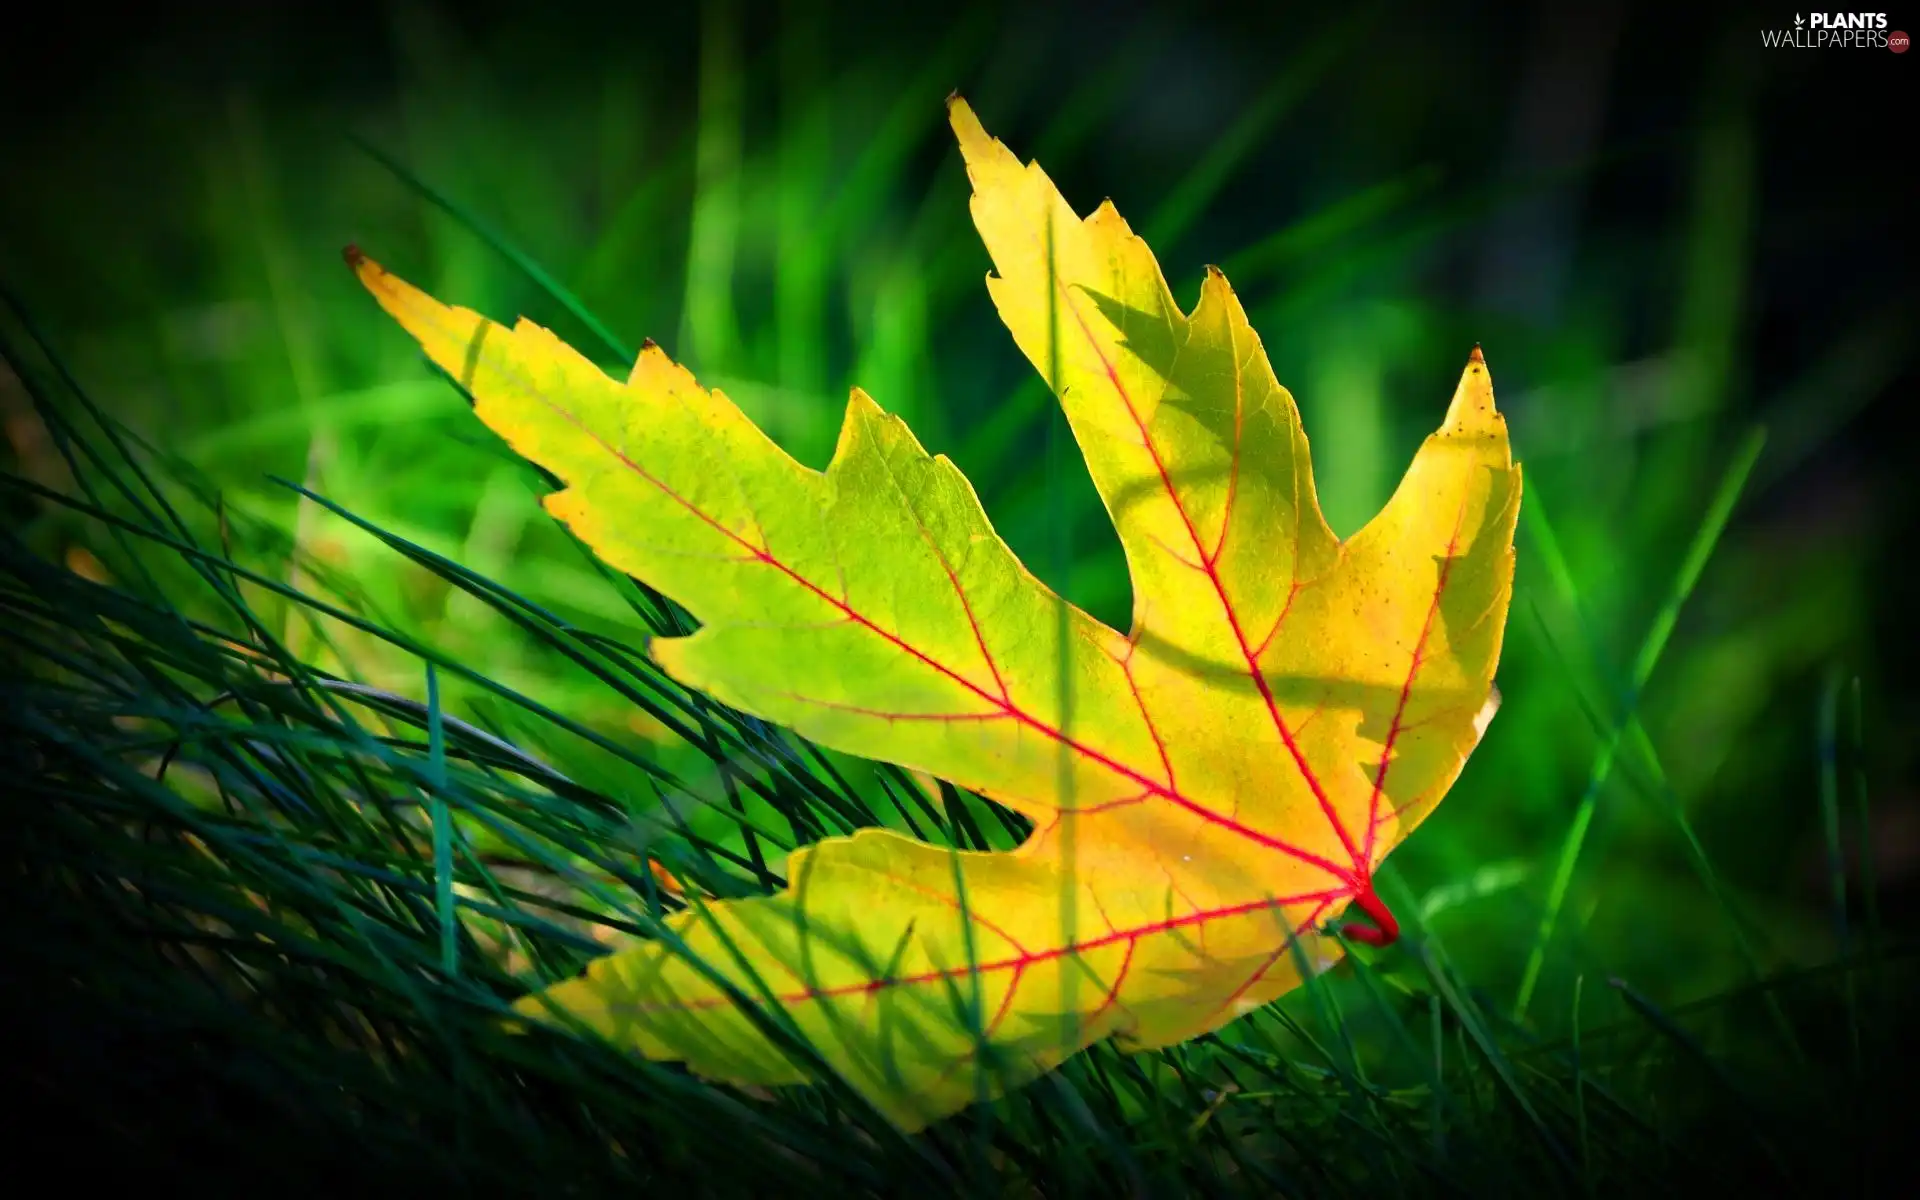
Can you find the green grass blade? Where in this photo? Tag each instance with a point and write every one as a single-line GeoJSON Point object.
{"type": "Point", "coordinates": [498, 242]}
{"type": "Point", "coordinates": [442, 829]}
{"type": "Point", "coordinates": [1706, 537]}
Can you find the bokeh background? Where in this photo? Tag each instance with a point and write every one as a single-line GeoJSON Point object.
{"type": "Point", "coordinates": [1671, 242]}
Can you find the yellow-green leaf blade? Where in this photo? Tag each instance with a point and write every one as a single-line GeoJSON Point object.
{"type": "Point", "coordinates": [870, 607]}
{"type": "Point", "coordinates": [921, 1009]}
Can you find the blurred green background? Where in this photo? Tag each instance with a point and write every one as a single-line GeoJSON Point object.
{"type": "Point", "coordinates": [1665, 237]}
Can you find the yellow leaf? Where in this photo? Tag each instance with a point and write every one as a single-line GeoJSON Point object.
{"type": "Point", "coordinates": [1207, 789]}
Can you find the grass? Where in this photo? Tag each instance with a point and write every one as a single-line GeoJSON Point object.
{"type": "Point", "coordinates": [333, 743]}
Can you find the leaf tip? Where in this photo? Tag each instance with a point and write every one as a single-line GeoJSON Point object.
{"type": "Point", "coordinates": [975, 145]}
{"type": "Point", "coordinates": [1476, 356]}
{"type": "Point", "coordinates": [353, 255]}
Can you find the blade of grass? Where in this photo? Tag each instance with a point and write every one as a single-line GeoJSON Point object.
{"type": "Point", "coordinates": [1829, 743]}
{"type": "Point", "coordinates": [1672, 1031]}
{"type": "Point", "coordinates": [1432, 957]}
{"type": "Point", "coordinates": [498, 243]}
{"type": "Point", "coordinates": [1658, 786]}
{"type": "Point", "coordinates": [1706, 537]}
{"type": "Point", "coordinates": [1580, 1090]}
{"type": "Point", "coordinates": [442, 829]}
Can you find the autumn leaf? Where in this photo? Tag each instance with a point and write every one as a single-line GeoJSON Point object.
{"type": "Point", "coordinates": [1207, 790]}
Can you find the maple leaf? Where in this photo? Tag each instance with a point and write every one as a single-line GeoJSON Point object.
{"type": "Point", "coordinates": [1206, 790]}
